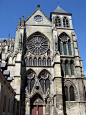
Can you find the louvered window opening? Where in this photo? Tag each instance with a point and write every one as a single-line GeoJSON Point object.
{"type": "Point", "coordinates": [57, 22]}
{"type": "Point", "coordinates": [65, 22]}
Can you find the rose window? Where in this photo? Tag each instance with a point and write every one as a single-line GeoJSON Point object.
{"type": "Point", "coordinates": [37, 45]}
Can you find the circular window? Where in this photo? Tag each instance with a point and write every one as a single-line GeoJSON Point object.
{"type": "Point", "coordinates": [37, 45]}
{"type": "Point", "coordinates": [38, 18]}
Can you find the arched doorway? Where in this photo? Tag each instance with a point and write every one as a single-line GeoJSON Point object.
{"type": "Point", "coordinates": [36, 105]}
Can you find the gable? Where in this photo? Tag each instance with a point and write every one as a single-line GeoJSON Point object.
{"type": "Point", "coordinates": [31, 20]}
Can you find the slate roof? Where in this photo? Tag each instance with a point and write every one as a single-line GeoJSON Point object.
{"type": "Point", "coordinates": [59, 10]}
{"type": "Point", "coordinates": [6, 72]}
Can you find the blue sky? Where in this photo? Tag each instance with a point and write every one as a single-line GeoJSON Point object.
{"type": "Point", "coordinates": [12, 10]}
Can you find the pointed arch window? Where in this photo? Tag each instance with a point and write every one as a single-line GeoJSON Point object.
{"type": "Point", "coordinates": [65, 22]}
{"type": "Point", "coordinates": [71, 67]}
{"type": "Point", "coordinates": [62, 72]}
{"type": "Point", "coordinates": [69, 47]}
{"type": "Point", "coordinates": [35, 62]}
{"type": "Point", "coordinates": [66, 93]}
{"type": "Point", "coordinates": [72, 97]}
{"type": "Point", "coordinates": [65, 48]}
{"type": "Point", "coordinates": [66, 68]}
{"type": "Point", "coordinates": [30, 61]}
{"type": "Point", "coordinates": [44, 81]}
{"type": "Point", "coordinates": [60, 47]}
{"type": "Point", "coordinates": [57, 22]}
{"type": "Point", "coordinates": [49, 62]}
{"type": "Point", "coordinates": [44, 62]}
{"type": "Point", "coordinates": [39, 61]}
{"type": "Point", "coordinates": [30, 81]}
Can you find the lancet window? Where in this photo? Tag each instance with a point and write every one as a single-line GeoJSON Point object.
{"type": "Point", "coordinates": [69, 93]}
{"type": "Point", "coordinates": [44, 80]}
{"type": "Point", "coordinates": [30, 81]}
{"type": "Point", "coordinates": [57, 22]}
{"type": "Point", "coordinates": [65, 22]}
{"type": "Point", "coordinates": [67, 68]}
{"type": "Point", "coordinates": [64, 45]}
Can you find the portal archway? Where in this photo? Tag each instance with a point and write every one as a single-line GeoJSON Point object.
{"type": "Point", "coordinates": [36, 105]}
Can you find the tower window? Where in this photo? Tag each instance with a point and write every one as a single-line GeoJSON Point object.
{"type": "Point", "coordinates": [57, 22]}
{"type": "Point", "coordinates": [65, 22]}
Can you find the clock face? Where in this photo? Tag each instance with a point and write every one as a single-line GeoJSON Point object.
{"type": "Point", "coordinates": [37, 45]}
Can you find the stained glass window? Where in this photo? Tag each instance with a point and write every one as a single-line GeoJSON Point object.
{"type": "Point", "coordinates": [66, 93]}
{"type": "Point", "coordinates": [72, 97]}
{"type": "Point", "coordinates": [71, 67]}
{"type": "Point", "coordinates": [37, 45]}
{"type": "Point", "coordinates": [65, 48]}
{"type": "Point", "coordinates": [69, 48]}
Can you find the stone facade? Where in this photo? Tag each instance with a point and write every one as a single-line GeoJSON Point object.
{"type": "Point", "coordinates": [47, 69]}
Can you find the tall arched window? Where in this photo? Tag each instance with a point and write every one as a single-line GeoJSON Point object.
{"type": "Point", "coordinates": [35, 62]}
{"type": "Point", "coordinates": [65, 48]}
{"type": "Point", "coordinates": [66, 68]}
{"type": "Point", "coordinates": [60, 47]}
{"type": "Point", "coordinates": [30, 61]}
{"type": "Point", "coordinates": [44, 62]}
{"type": "Point", "coordinates": [30, 81]}
{"type": "Point", "coordinates": [62, 72]}
{"type": "Point", "coordinates": [39, 61]}
{"type": "Point", "coordinates": [72, 97]}
{"type": "Point", "coordinates": [49, 62]}
{"type": "Point", "coordinates": [44, 81]}
{"type": "Point", "coordinates": [57, 22]}
{"type": "Point", "coordinates": [65, 22]}
{"type": "Point", "coordinates": [71, 67]}
{"type": "Point", "coordinates": [69, 47]}
{"type": "Point", "coordinates": [66, 93]}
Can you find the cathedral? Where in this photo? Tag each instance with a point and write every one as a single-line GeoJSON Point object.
{"type": "Point", "coordinates": [45, 66]}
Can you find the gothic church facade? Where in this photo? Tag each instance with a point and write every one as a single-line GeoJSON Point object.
{"type": "Point", "coordinates": [47, 69]}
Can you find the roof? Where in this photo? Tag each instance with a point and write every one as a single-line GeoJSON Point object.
{"type": "Point", "coordinates": [59, 10]}
{"type": "Point", "coordinates": [3, 64]}
{"type": "Point", "coordinates": [6, 72]}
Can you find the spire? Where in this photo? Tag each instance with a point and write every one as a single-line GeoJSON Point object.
{"type": "Point", "coordinates": [59, 10]}
{"type": "Point", "coordinates": [19, 23]}
{"type": "Point", "coordinates": [22, 21]}
{"type": "Point", "coordinates": [8, 40]}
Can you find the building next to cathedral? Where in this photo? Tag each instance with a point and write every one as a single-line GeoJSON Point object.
{"type": "Point", "coordinates": [43, 66]}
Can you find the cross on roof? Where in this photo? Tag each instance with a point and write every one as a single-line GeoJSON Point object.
{"type": "Point", "coordinates": [58, 3]}
{"type": "Point", "coordinates": [38, 6]}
